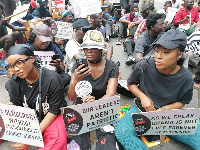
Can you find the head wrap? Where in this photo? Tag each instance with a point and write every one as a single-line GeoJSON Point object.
{"type": "Point", "coordinates": [20, 49]}
{"type": "Point", "coordinates": [64, 13]}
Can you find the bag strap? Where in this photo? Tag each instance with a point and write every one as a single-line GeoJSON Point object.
{"type": "Point", "coordinates": [40, 94]}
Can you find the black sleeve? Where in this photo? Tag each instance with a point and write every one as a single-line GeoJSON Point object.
{"type": "Point", "coordinates": [55, 94]}
{"type": "Point", "coordinates": [134, 78]}
{"type": "Point", "coordinates": [15, 92]}
{"type": "Point", "coordinates": [140, 44]}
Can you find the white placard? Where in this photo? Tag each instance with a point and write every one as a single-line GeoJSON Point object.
{"type": "Point", "coordinates": [19, 124]}
{"type": "Point", "coordinates": [171, 122]}
{"type": "Point", "coordinates": [45, 57]}
{"type": "Point", "coordinates": [85, 7]}
{"type": "Point", "coordinates": [83, 89]}
{"type": "Point", "coordinates": [58, 4]}
{"type": "Point", "coordinates": [64, 30]}
{"type": "Point", "coordinates": [86, 117]}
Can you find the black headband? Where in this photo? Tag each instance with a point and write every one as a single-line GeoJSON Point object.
{"type": "Point", "coordinates": [20, 49]}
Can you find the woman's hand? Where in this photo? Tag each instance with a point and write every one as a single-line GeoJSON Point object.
{"type": "Point", "coordinates": [147, 104]}
{"type": "Point", "coordinates": [80, 73]}
{"type": "Point", "coordinates": [88, 98]}
{"type": "Point", "coordinates": [19, 146]}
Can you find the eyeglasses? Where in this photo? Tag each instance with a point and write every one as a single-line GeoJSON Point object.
{"type": "Point", "coordinates": [19, 64]}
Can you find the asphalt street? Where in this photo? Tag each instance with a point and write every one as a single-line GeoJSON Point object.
{"type": "Point", "coordinates": [121, 56]}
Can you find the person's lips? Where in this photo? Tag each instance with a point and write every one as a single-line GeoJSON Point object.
{"type": "Point", "coordinates": [157, 63]}
{"type": "Point", "coordinates": [20, 74]}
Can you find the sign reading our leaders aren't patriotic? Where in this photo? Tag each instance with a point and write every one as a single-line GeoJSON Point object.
{"type": "Point", "coordinates": [171, 122]}
{"type": "Point", "coordinates": [86, 117]}
{"type": "Point", "coordinates": [19, 124]}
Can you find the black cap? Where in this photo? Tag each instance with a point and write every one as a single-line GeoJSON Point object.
{"type": "Point", "coordinates": [172, 39]}
{"type": "Point", "coordinates": [81, 23]}
{"type": "Point", "coordinates": [145, 7]}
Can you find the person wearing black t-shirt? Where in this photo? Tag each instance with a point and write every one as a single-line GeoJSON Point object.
{"type": "Point", "coordinates": [24, 92]}
{"type": "Point", "coordinates": [159, 83]}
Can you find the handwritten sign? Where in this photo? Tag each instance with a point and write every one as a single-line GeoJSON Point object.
{"type": "Point", "coordinates": [171, 122]}
{"type": "Point", "coordinates": [19, 124]}
{"type": "Point", "coordinates": [90, 116]}
{"type": "Point", "coordinates": [84, 8]}
{"type": "Point", "coordinates": [58, 4]}
{"type": "Point", "coordinates": [45, 57]}
{"type": "Point", "coordinates": [64, 30]}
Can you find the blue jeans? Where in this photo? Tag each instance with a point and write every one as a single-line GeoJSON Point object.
{"type": "Point", "coordinates": [126, 135]}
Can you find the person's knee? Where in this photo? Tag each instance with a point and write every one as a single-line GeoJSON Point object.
{"type": "Point", "coordinates": [8, 38]}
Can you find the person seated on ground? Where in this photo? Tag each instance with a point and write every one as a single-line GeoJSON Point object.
{"type": "Point", "coordinates": [124, 4]}
{"type": "Point", "coordinates": [126, 9]}
{"type": "Point", "coordinates": [164, 10]}
{"type": "Point", "coordinates": [66, 16]}
{"type": "Point", "coordinates": [129, 43]}
{"type": "Point", "coordinates": [198, 7]}
{"type": "Point", "coordinates": [23, 64]}
{"type": "Point", "coordinates": [8, 40]}
{"type": "Point", "coordinates": [187, 18]}
{"type": "Point", "coordinates": [40, 40]}
{"type": "Point", "coordinates": [129, 21]}
{"type": "Point", "coordinates": [20, 22]}
{"type": "Point", "coordinates": [153, 9]}
{"type": "Point", "coordinates": [101, 73]}
{"type": "Point", "coordinates": [10, 6]}
{"type": "Point", "coordinates": [176, 3]}
{"type": "Point", "coordinates": [107, 22]}
{"type": "Point", "coordinates": [42, 12]}
{"type": "Point", "coordinates": [116, 15]}
{"type": "Point", "coordinates": [155, 25]}
{"type": "Point", "coordinates": [95, 22]}
{"type": "Point", "coordinates": [142, 26]}
{"type": "Point", "coordinates": [144, 2]}
{"type": "Point", "coordinates": [172, 90]}
{"type": "Point", "coordinates": [80, 27]}
{"type": "Point", "coordinates": [33, 6]}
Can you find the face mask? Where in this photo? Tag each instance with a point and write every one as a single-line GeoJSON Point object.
{"type": "Point", "coordinates": [136, 14]}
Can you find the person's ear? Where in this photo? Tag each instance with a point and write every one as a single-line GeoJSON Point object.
{"type": "Point", "coordinates": [179, 55]}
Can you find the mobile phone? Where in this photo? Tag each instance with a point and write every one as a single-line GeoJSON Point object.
{"type": "Point", "coordinates": [80, 61]}
{"type": "Point", "coordinates": [54, 57]}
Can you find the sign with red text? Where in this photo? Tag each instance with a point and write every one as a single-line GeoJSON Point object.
{"type": "Point", "coordinates": [86, 117]}
{"type": "Point", "coordinates": [170, 122]}
{"type": "Point", "coordinates": [21, 125]}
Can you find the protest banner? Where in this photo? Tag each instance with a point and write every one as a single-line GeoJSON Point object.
{"type": "Point", "coordinates": [20, 124]}
{"type": "Point", "coordinates": [171, 122]}
{"type": "Point", "coordinates": [84, 8]}
{"type": "Point", "coordinates": [57, 6]}
{"type": "Point", "coordinates": [64, 30]}
{"type": "Point", "coordinates": [45, 57]}
{"type": "Point", "coordinates": [86, 117]}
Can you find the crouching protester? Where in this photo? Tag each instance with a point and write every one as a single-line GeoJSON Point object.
{"type": "Point", "coordinates": [24, 91]}
{"type": "Point", "coordinates": [159, 82]}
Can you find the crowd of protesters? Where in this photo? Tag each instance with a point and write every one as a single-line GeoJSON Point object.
{"type": "Point", "coordinates": [156, 50]}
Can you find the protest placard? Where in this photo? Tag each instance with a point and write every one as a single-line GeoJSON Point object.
{"type": "Point", "coordinates": [87, 7]}
{"type": "Point", "coordinates": [171, 122]}
{"type": "Point", "coordinates": [45, 57]}
{"type": "Point", "coordinates": [64, 30]}
{"type": "Point", "coordinates": [20, 124]}
{"type": "Point", "coordinates": [86, 117]}
{"type": "Point", "coordinates": [58, 4]}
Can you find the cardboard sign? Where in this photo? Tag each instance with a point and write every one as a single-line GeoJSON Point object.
{"type": "Point", "coordinates": [84, 8]}
{"type": "Point", "coordinates": [171, 122]}
{"type": "Point", "coordinates": [19, 124]}
{"type": "Point", "coordinates": [58, 4]}
{"type": "Point", "coordinates": [64, 30]}
{"type": "Point", "coordinates": [45, 57]}
{"type": "Point", "coordinates": [86, 117]}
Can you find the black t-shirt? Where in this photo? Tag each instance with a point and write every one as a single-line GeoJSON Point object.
{"type": "Point", "coordinates": [52, 93]}
{"type": "Point", "coordinates": [99, 85]}
{"type": "Point", "coordinates": [162, 89]}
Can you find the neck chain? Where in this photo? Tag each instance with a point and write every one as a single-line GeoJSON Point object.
{"type": "Point", "coordinates": [95, 63]}
{"type": "Point", "coordinates": [31, 85]}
